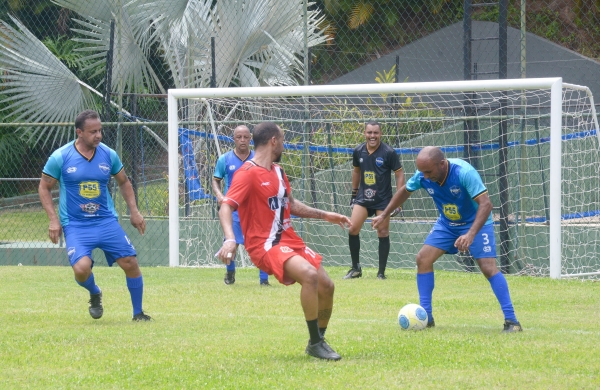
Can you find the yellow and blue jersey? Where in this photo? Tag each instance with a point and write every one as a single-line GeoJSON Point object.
{"type": "Point", "coordinates": [84, 194]}
{"type": "Point", "coordinates": [455, 195]}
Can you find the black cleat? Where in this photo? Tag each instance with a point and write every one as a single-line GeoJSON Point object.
{"type": "Point", "coordinates": [96, 309]}
{"type": "Point", "coordinates": [229, 277]}
{"type": "Point", "coordinates": [354, 273]}
{"type": "Point", "coordinates": [431, 324]}
{"type": "Point", "coordinates": [322, 350]}
{"type": "Point", "coordinates": [265, 283]}
{"type": "Point", "coordinates": [512, 326]}
{"type": "Point", "coordinates": [381, 277]}
{"type": "Point", "coordinates": [139, 317]}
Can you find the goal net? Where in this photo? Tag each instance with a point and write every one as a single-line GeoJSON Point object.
{"type": "Point", "coordinates": [533, 141]}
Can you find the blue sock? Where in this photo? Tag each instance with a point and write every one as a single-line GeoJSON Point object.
{"type": "Point", "coordinates": [90, 284]}
{"type": "Point", "coordinates": [425, 285]}
{"type": "Point", "coordinates": [231, 266]}
{"type": "Point", "coordinates": [136, 290]}
{"type": "Point", "coordinates": [500, 288]}
{"type": "Point", "coordinates": [263, 276]}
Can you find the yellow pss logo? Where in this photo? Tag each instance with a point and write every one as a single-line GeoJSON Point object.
{"type": "Point", "coordinates": [89, 189]}
{"type": "Point", "coordinates": [369, 178]}
{"type": "Point", "coordinates": [451, 212]}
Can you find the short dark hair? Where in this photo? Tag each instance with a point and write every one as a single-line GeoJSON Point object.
{"type": "Point", "coordinates": [263, 132]}
{"type": "Point", "coordinates": [83, 116]}
{"type": "Point", "coordinates": [373, 123]}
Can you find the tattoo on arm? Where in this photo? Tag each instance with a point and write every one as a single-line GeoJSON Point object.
{"type": "Point", "coordinates": [301, 210]}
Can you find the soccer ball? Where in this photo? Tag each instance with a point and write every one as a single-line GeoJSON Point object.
{"type": "Point", "coordinates": [412, 317]}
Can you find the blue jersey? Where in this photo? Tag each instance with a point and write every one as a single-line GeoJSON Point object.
{"type": "Point", "coordinates": [227, 164]}
{"type": "Point", "coordinates": [83, 183]}
{"type": "Point", "coordinates": [455, 195]}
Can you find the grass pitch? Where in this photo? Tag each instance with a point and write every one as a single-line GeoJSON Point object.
{"type": "Point", "coordinates": [209, 335]}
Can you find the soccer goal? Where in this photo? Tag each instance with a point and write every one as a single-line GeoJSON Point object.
{"type": "Point", "coordinates": [534, 142]}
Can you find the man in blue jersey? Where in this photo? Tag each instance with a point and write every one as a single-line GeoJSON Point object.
{"type": "Point", "coordinates": [86, 212]}
{"type": "Point", "coordinates": [226, 166]}
{"type": "Point", "coordinates": [465, 224]}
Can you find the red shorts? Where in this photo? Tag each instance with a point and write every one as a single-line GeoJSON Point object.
{"type": "Point", "coordinates": [272, 262]}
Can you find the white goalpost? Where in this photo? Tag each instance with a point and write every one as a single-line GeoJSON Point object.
{"type": "Point", "coordinates": [535, 142]}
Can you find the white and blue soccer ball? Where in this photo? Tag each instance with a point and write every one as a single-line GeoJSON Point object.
{"type": "Point", "coordinates": [412, 317]}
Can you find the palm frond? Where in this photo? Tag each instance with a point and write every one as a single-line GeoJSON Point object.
{"type": "Point", "coordinates": [131, 70]}
{"type": "Point", "coordinates": [360, 14]}
{"type": "Point", "coordinates": [37, 87]}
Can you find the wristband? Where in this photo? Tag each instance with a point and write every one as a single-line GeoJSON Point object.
{"type": "Point", "coordinates": [230, 240]}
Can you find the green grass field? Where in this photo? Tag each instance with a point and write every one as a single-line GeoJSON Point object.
{"type": "Point", "coordinates": [209, 335]}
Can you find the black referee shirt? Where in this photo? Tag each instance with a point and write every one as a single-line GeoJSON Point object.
{"type": "Point", "coordinates": [375, 189]}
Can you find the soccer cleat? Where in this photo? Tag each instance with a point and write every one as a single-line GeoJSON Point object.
{"type": "Point", "coordinates": [229, 277]}
{"type": "Point", "coordinates": [141, 317]}
{"type": "Point", "coordinates": [322, 350]}
{"type": "Point", "coordinates": [512, 326]}
{"type": "Point", "coordinates": [431, 324]}
{"type": "Point", "coordinates": [381, 277]}
{"type": "Point", "coordinates": [96, 309]}
{"type": "Point", "coordinates": [354, 273]}
{"type": "Point", "coordinates": [265, 283]}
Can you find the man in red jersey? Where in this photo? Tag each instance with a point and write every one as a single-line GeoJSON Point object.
{"type": "Point", "coordinates": [261, 194]}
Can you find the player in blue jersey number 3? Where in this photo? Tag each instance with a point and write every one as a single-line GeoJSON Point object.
{"type": "Point", "coordinates": [465, 224]}
{"type": "Point", "coordinates": [86, 213]}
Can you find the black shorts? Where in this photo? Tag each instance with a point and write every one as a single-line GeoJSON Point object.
{"type": "Point", "coordinates": [370, 211]}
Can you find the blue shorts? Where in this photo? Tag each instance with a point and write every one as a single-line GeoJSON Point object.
{"type": "Point", "coordinates": [443, 237]}
{"type": "Point", "coordinates": [108, 236]}
{"type": "Point", "coordinates": [237, 229]}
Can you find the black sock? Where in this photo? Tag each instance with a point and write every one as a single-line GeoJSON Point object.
{"type": "Point", "coordinates": [354, 243]}
{"type": "Point", "coordinates": [313, 330]}
{"type": "Point", "coordinates": [322, 331]}
{"type": "Point", "coordinates": [384, 251]}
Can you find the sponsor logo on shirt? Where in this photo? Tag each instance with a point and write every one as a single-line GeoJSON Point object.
{"type": "Point", "coordinates": [90, 208]}
{"type": "Point", "coordinates": [370, 193]}
{"type": "Point", "coordinates": [273, 202]}
{"type": "Point", "coordinates": [379, 161]}
{"type": "Point", "coordinates": [104, 168]}
{"type": "Point", "coordinates": [89, 189]}
{"type": "Point", "coordinates": [360, 160]}
{"type": "Point", "coordinates": [455, 190]}
{"type": "Point", "coordinates": [71, 169]}
{"type": "Point", "coordinates": [451, 212]}
{"type": "Point", "coordinates": [369, 178]}
{"type": "Point", "coordinates": [266, 183]}
{"type": "Point", "coordinates": [431, 191]}
{"type": "Point", "coordinates": [232, 167]}
{"type": "Point", "coordinates": [285, 249]}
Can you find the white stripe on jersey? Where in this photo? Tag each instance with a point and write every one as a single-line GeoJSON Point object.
{"type": "Point", "coordinates": [277, 225]}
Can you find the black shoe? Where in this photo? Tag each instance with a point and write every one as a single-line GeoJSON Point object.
{"type": "Point", "coordinates": [96, 309]}
{"type": "Point", "coordinates": [512, 326]}
{"type": "Point", "coordinates": [229, 277]}
{"type": "Point", "coordinates": [141, 317]}
{"type": "Point", "coordinates": [354, 273]}
{"type": "Point", "coordinates": [265, 283]}
{"type": "Point", "coordinates": [322, 350]}
{"type": "Point", "coordinates": [431, 324]}
{"type": "Point", "coordinates": [381, 277]}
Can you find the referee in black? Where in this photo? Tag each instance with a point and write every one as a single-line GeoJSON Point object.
{"type": "Point", "coordinates": [374, 162]}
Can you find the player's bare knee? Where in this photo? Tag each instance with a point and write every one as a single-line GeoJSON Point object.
{"type": "Point", "coordinates": [354, 230]}
{"type": "Point", "coordinates": [423, 263]}
{"type": "Point", "coordinates": [382, 233]}
{"type": "Point", "coordinates": [129, 265]}
{"type": "Point", "coordinates": [326, 287]}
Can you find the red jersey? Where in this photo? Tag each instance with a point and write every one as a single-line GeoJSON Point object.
{"type": "Point", "coordinates": [262, 200]}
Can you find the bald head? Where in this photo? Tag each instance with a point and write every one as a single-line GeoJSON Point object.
{"type": "Point", "coordinates": [432, 163]}
{"type": "Point", "coordinates": [241, 139]}
{"type": "Point", "coordinates": [431, 153]}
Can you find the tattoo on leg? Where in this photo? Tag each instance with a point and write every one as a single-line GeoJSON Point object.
{"type": "Point", "coordinates": [325, 314]}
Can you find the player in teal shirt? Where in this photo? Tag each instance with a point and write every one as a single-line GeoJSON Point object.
{"type": "Point", "coordinates": [226, 166]}
{"type": "Point", "coordinates": [87, 215]}
{"type": "Point", "coordinates": [465, 224]}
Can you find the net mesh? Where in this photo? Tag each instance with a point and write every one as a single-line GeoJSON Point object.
{"type": "Point", "coordinates": [504, 134]}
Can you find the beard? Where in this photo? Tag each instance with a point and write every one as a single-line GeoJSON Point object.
{"type": "Point", "coordinates": [278, 158]}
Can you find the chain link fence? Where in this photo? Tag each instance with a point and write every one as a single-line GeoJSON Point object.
{"type": "Point", "coordinates": [120, 57]}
